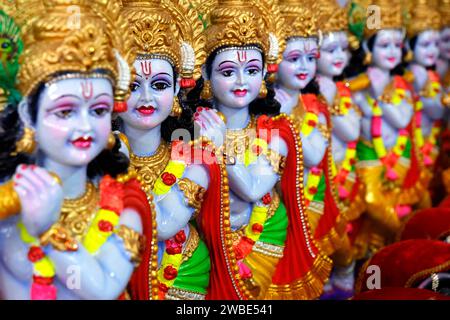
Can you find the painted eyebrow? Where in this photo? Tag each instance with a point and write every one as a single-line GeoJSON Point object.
{"type": "Point", "coordinates": [161, 73]}
{"type": "Point", "coordinates": [226, 62]}
{"type": "Point", "coordinates": [103, 94]}
{"type": "Point", "coordinates": [257, 60]}
{"type": "Point", "coordinates": [68, 96]}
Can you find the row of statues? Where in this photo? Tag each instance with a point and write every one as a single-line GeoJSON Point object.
{"type": "Point", "coordinates": [220, 149]}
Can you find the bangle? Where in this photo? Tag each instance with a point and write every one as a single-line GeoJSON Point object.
{"type": "Point", "coordinates": [133, 242]}
{"type": "Point", "coordinates": [60, 238]}
{"type": "Point", "coordinates": [194, 194]}
{"type": "Point", "coordinates": [9, 201]}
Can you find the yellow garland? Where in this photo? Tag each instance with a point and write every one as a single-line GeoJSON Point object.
{"type": "Point", "coordinates": [312, 184]}
{"type": "Point", "coordinates": [258, 216]}
{"type": "Point", "coordinates": [174, 167]}
{"type": "Point", "coordinates": [43, 267]}
{"type": "Point", "coordinates": [96, 238]}
{"type": "Point", "coordinates": [250, 156]}
{"type": "Point", "coordinates": [174, 260]}
{"type": "Point", "coordinates": [378, 142]}
{"type": "Point", "coordinates": [307, 128]}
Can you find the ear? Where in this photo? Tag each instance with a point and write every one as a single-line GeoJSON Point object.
{"type": "Point", "coordinates": [204, 73]}
{"type": "Point", "coordinates": [264, 71]}
{"type": "Point", "coordinates": [24, 112]}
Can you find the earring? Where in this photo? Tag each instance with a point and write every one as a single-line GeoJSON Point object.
{"type": "Point", "coordinates": [263, 90]}
{"type": "Point", "coordinates": [111, 141]}
{"type": "Point", "coordinates": [409, 56]}
{"type": "Point", "coordinates": [207, 90]}
{"type": "Point", "coordinates": [367, 59]}
{"type": "Point", "coordinates": [176, 108]}
{"type": "Point", "coordinates": [26, 144]}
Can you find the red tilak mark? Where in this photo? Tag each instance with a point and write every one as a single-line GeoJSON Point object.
{"type": "Point", "coordinates": [146, 67]}
{"type": "Point", "coordinates": [242, 56]}
{"type": "Point", "coordinates": [87, 89]}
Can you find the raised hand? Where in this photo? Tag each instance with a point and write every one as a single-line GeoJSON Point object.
{"type": "Point", "coordinates": [41, 198]}
{"type": "Point", "coordinates": [211, 125]}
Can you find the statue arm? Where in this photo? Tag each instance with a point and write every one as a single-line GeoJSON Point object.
{"type": "Point", "coordinates": [173, 209]}
{"type": "Point", "coordinates": [251, 183]}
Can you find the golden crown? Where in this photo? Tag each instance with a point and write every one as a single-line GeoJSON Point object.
{"type": "Point", "coordinates": [77, 37]}
{"type": "Point", "coordinates": [421, 15]}
{"type": "Point", "coordinates": [334, 17]}
{"type": "Point", "coordinates": [390, 15]}
{"type": "Point", "coordinates": [444, 6]}
{"type": "Point", "coordinates": [239, 23]}
{"type": "Point", "coordinates": [168, 29]}
{"type": "Point", "coordinates": [301, 18]}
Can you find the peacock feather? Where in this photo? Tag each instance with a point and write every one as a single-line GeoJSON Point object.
{"type": "Point", "coordinates": [11, 46]}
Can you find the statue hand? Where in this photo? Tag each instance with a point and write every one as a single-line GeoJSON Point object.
{"type": "Point", "coordinates": [40, 196]}
{"type": "Point", "coordinates": [211, 125]}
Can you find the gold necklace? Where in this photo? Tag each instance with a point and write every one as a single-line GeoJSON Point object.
{"type": "Point", "coordinates": [149, 168]}
{"type": "Point", "coordinates": [77, 214]}
{"type": "Point", "coordinates": [238, 140]}
{"type": "Point", "coordinates": [298, 113]}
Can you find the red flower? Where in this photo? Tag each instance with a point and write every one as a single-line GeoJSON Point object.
{"type": "Point", "coordinates": [312, 123]}
{"type": "Point", "coordinates": [168, 178]}
{"type": "Point", "coordinates": [313, 190]}
{"type": "Point", "coordinates": [257, 228]}
{"type": "Point", "coordinates": [45, 281]}
{"type": "Point", "coordinates": [35, 254]}
{"type": "Point", "coordinates": [105, 226]}
{"type": "Point", "coordinates": [267, 199]}
{"type": "Point", "coordinates": [170, 273]}
{"type": "Point", "coordinates": [256, 150]}
{"type": "Point", "coordinates": [180, 237]}
{"type": "Point", "coordinates": [163, 287]}
{"type": "Point", "coordinates": [352, 162]}
{"type": "Point", "coordinates": [174, 250]}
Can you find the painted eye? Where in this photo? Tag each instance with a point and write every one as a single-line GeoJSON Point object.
{"type": "Point", "coordinates": [5, 45]}
{"type": "Point", "coordinates": [160, 86]}
{"type": "Point", "coordinates": [293, 59]}
{"type": "Point", "coordinates": [253, 72]}
{"type": "Point", "coordinates": [227, 73]}
{"type": "Point", "coordinates": [134, 87]}
{"type": "Point", "coordinates": [64, 114]}
{"type": "Point", "coordinates": [311, 58]}
{"type": "Point", "coordinates": [101, 110]}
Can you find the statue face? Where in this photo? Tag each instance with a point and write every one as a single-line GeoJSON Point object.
{"type": "Point", "coordinates": [299, 64]}
{"type": "Point", "coordinates": [387, 49]}
{"type": "Point", "coordinates": [152, 93]}
{"type": "Point", "coordinates": [236, 77]}
{"type": "Point", "coordinates": [334, 54]}
{"type": "Point", "coordinates": [74, 120]}
{"type": "Point", "coordinates": [426, 51]}
{"type": "Point", "coordinates": [444, 43]}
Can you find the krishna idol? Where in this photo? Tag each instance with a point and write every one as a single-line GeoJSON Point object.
{"type": "Point", "coordinates": [423, 26]}
{"type": "Point", "coordinates": [167, 38]}
{"type": "Point", "coordinates": [345, 116]}
{"type": "Point", "coordinates": [263, 249]}
{"type": "Point", "coordinates": [77, 232]}
{"type": "Point", "coordinates": [298, 93]}
{"type": "Point", "coordinates": [387, 164]}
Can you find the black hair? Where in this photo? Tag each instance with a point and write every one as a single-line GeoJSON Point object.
{"type": "Point", "coordinates": [260, 106]}
{"type": "Point", "coordinates": [311, 88]}
{"type": "Point", "coordinates": [356, 65]}
{"type": "Point", "coordinates": [112, 162]}
{"type": "Point", "coordinates": [11, 130]}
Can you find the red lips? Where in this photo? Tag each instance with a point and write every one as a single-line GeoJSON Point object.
{"type": "Point", "coordinates": [338, 64]}
{"type": "Point", "coordinates": [146, 110]}
{"type": "Point", "coordinates": [302, 76]}
{"type": "Point", "coordinates": [240, 93]}
{"type": "Point", "coordinates": [82, 143]}
{"type": "Point", "coordinates": [392, 59]}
